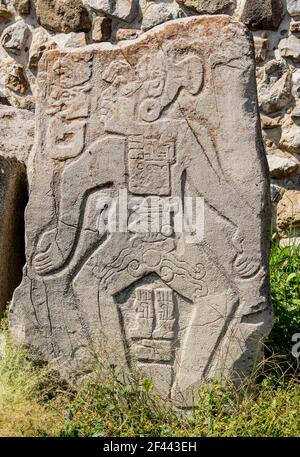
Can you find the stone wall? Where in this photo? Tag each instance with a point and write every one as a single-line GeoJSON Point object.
{"type": "Point", "coordinates": [30, 27]}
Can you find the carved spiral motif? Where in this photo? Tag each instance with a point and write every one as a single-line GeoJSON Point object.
{"type": "Point", "coordinates": [199, 293]}
{"type": "Point", "coordinates": [200, 271]}
{"type": "Point", "coordinates": [167, 274]}
{"type": "Point", "coordinates": [150, 109]}
{"type": "Point", "coordinates": [134, 268]}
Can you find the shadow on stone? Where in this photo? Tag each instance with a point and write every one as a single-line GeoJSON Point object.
{"type": "Point", "coordinates": [13, 200]}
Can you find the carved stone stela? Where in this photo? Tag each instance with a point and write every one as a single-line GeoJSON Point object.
{"type": "Point", "coordinates": [171, 114]}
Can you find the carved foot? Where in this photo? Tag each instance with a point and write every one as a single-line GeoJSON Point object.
{"type": "Point", "coordinates": [245, 264]}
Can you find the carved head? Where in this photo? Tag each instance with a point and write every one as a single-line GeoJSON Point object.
{"type": "Point", "coordinates": [174, 67]}
{"type": "Point", "coordinates": [151, 83]}
{"type": "Point", "coordinates": [70, 72]}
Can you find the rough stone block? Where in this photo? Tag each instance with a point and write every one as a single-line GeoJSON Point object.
{"type": "Point", "coordinates": [124, 10]}
{"type": "Point", "coordinates": [281, 166]}
{"type": "Point", "coordinates": [293, 7]}
{"type": "Point", "coordinates": [101, 29]}
{"type": "Point", "coordinates": [22, 6]}
{"type": "Point", "coordinates": [41, 42]}
{"type": "Point", "coordinates": [63, 16]}
{"type": "Point", "coordinates": [209, 6]}
{"type": "Point", "coordinates": [274, 86]}
{"type": "Point", "coordinates": [150, 120]}
{"type": "Point", "coordinates": [290, 48]}
{"type": "Point", "coordinates": [5, 13]}
{"type": "Point", "coordinates": [13, 197]}
{"type": "Point", "coordinates": [289, 209]}
{"type": "Point", "coordinates": [266, 14]}
{"type": "Point", "coordinates": [15, 37]}
{"type": "Point", "coordinates": [155, 13]}
{"type": "Point", "coordinates": [16, 134]}
{"type": "Point", "coordinates": [127, 34]}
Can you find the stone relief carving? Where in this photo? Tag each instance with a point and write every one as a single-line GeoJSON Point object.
{"type": "Point", "coordinates": [131, 117]}
{"type": "Point", "coordinates": [68, 103]}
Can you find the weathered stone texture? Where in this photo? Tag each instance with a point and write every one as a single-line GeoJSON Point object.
{"type": "Point", "coordinates": [209, 6]}
{"type": "Point", "coordinates": [22, 6]}
{"type": "Point", "coordinates": [290, 136]}
{"type": "Point", "coordinates": [16, 141]}
{"type": "Point", "coordinates": [63, 16]}
{"type": "Point", "coordinates": [262, 14]}
{"type": "Point", "coordinates": [66, 23]}
{"type": "Point", "coordinates": [16, 133]}
{"type": "Point", "coordinates": [15, 79]}
{"type": "Point", "coordinates": [293, 7]}
{"type": "Point", "coordinates": [155, 13]}
{"type": "Point", "coordinates": [126, 34]}
{"type": "Point", "coordinates": [5, 13]}
{"type": "Point", "coordinates": [13, 195]}
{"type": "Point", "coordinates": [295, 26]}
{"type": "Point", "coordinates": [288, 210]}
{"type": "Point", "coordinates": [125, 10]}
{"type": "Point", "coordinates": [261, 49]}
{"type": "Point", "coordinates": [41, 42]}
{"type": "Point", "coordinates": [101, 29]}
{"type": "Point", "coordinates": [153, 116]}
{"type": "Point", "coordinates": [15, 37]}
{"type": "Point", "coordinates": [281, 166]}
{"type": "Point", "coordinates": [290, 48]}
{"type": "Point", "coordinates": [274, 86]}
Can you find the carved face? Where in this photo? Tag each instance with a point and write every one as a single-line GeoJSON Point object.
{"type": "Point", "coordinates": [68, 75]}
{"type": "Point", "coordinates": [117, 99]}
{"type": "Point", "coordinates": [163, 78]}
{"type": "Point", "coordinates": [152, 73]}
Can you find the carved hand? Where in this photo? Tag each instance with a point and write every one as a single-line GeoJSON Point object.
{"type": "Point", "coordinates": [49, 257]}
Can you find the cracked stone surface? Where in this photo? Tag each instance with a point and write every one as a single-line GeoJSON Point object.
{"type": "Point", "coordinates": [152, 116]}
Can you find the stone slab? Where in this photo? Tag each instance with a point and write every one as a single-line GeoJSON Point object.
{"type": "Point", "coordinates": [172, 114]}
{"type": "Point", "coordinates": [13, 197]}
{"type": "Point", "coordinates": [17, 129]}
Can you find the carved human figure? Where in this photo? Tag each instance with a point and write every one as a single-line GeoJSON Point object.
{"type": "Point", "coordinates": [152, 117]}
{"type": "Point", "coordinates": [131, 108]}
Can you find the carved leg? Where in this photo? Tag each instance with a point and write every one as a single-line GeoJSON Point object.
{"type": "Point", "coordinates": [56, 245]}
{"type": "Point", "coordinates": [220, 192]}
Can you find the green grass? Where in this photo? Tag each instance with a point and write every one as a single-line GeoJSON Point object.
{"type": "Point", "coordinates": [270, 408]}
{"type": "Point", "coordinates": [285, 292]}
{"type": "Point", "coordinates": [32, 398]}
{"type": "Point", "coordinates": [34, 401]}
